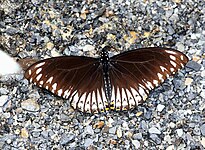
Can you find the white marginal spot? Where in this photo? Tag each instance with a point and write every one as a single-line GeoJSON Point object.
{"type": "Point", "coordinates": [34, 83]}
{"type": "Point", "coordinates": [182, 65]}
{"type": "Point", "coordinates": [66, 94]}
{"type": "Point", "coordinates": [160, 76]}
{"type": "Point", "coordinates": [134, 92]}
{"type": "Point", "coordinates": [141, 91]}
{"type": "Point", "coordinates": [162, 68]}
{"type": "Point", "coordinates": [155, 82]}
{"type": "Point", "coordinates": [60, 92]}
{"type": "Point", "coordinates": [131, 100]}
{"type": "Point", "coordinates": [38, 77]}
{"type": "Point", "coordinates": [124, 97]}
{"type": "Point", "coordinates": [54, 86]}
{"type": "Point", "coordinates": [29, 72]}
{"type": "Point", "coordinates": [150, 85]}
{"type": "Point", "coordinates": [38, 70]}
{"type": "Point", "coordinates": [49, 80]}
{"type": "Point", "coordinates": [113, 95]}
{"type": "Point", "coordinates": [46, 87]}
{"type": "Point", "coordinates": [31, 79]}
{"type": "Point", "coordinates": [99, 100]}
{"type": "Point", "coordinates": [172, 69]}
{"type": "Point", "coordinates": [103, 95]}
{"type": "Point", "coordinates": [173, 63]}
{"type": "Point", "coordinates": [172, 57]}
{"type": "Point", "coordinates": [41, 82]}
{"type": "Point", "coordinates": [171, 52]}
{"type": "Point", "coordinates": [40, 64]}
{"type": "Point", "coordinates": [87, 105]}
{"type": "Point", "coordinates": [182, 57]}
{"type": "Point", "coordinates": [118, 94]}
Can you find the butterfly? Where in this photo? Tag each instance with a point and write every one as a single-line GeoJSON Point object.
{"type": "Point", "coordinates": [120, 82]}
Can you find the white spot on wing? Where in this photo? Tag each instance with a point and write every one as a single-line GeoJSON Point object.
{"type": "Point", "coordinates": [155, 82]}
{"type": "Point", "coordinates": [40, 64]}
{"type": "Point", "coordinates": [182, 57]}
{"type": "Point", "coordinates": [160, 76]}
{"type": "Point", "coordinates": [60, 92]}
{"type": "Point", "coordinates": [41, 82]}
{"type": "Point", "coordinates": [171, 52]}
{"type": "Point", "coordinates": [49, 80]}
{"type": "Point", "coordinates": [172, 57]}
{"type": "Point", "coordinates": [172, 69]}
{"type": "Point", "coordinates": [162, 68]}
{"type": "Point", "coordinates": [66, 94]}
{"type": "Point", "coordinates": [38, 77]}
{"type": "Point", "coordinates": [38, 70]}
{"type": "Point", "coordinates": [54, 86]}
{"type": "Point", "coordinates": [31, 79]}
{"type": "Point", "coordinates": [29, 72]}
{"type": "Point", "coordinates": [173, 63]}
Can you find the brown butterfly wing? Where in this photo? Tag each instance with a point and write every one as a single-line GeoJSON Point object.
{"type": "Point", "coordinates": [79, 79]}
{"type": "Point", "coordinates": [134, 73]}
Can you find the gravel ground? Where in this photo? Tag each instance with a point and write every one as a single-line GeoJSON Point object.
{"type": "Point", "coordinates": [172, 118]}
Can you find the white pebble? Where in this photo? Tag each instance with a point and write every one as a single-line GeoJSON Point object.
{"type": "Point", "coordinates": [88, 48]}
{"type": "Point", "coordinates": [154, 130]}
{"type": "Point", "coordinates": [3, 100]}
{"type": "Point", "coordinates": [179, 132]}
{"type": "Point", "coordinates": [8, 65]}
{"type": "Point", "coordinates": [160, 107]}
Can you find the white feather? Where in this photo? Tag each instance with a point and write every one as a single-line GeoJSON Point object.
{"type": "Point", "coordinates": [8, 65]}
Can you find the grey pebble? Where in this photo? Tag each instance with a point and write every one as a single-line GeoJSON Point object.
{"type": "Point", "coordinates": [67, 138]}
{"type": "Point", "coordinates": [88, 142]}
{"type": "Point", "coordinates": [89, 130]}
{"type": "Point", "coordinates": [202, 129]}
{"type": "Point", "coordinates": [112, 130]}
{"type": "Point", "coordinates": [155, 138]}
{"type": "Point", "coordinates": [137, 136]}
{"type": "Point", "coordinates": [154, 130]}
{"type": "Point", "coordinates": [193, 65]}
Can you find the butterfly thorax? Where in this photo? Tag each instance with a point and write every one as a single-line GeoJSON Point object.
{"type": "Point", "coordinates": [105, 62]}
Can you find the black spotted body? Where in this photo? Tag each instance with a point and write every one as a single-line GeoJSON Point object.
{"type": "Point", "coordinates": [121, 82]}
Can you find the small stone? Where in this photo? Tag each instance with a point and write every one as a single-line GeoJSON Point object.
{"type": "Point", "coordinates": [203, 73]}
{"type": "Point", "coordinates": [193, 65]}
{"type": "Point", "coordinates": [112, 141]}
{"type": "Point", "coordinates": [3, 100]}
{"type": "Point", "coordinates": [136, 143]}
{"type": "Point", "coordinates": [112, 130]}
{"type": "Point", "coordinates": [155, 138]}
{"type": "Point", "coordinates": [24, 133]}
{"type": "Point", "coordinates": [99, 124]}
{"type": "Point", "coordinates": [54, 53]}
{"type": "Point", "coordinates": [88, 142]}
{"type": "Point", "coordinates": [160, 107]}
{"type": "Point", "coordinates": [65, 139]}
{"type": "Point", "coordinates": [171, 147]}
{"type": "Point", "coordinates": [88, 48]}
{"type": "Point", "coordinates": [154, 130]}
{"type": "Point", "coordinates": [202, 129]}
{"type": "Point", "coordinates": [188, 81]}
{"type": "Point", "coordinates": [49, 45]}
{"type": "Point", "coordinates": [30, 105]}
{"type": "Point", "coordinates": [203, 142]}
{"type": "Point", "coordinates": [139, 113]}
{"type": "Point", "coordinates": [89, 130]}
{"type": "Point", "coordinates": [119, 132]}
{"type": "Point", "coordinates": [180, 132]}
{"type": "Point", "coordinates": [137, 136]}
{"type": "Point", "coordinates": [180, 46]}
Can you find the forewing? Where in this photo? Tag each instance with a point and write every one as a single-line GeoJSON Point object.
{"type": "Point", "coordinates": [76, 78]}
{"type": "Point", "coordinates": [134, 73]}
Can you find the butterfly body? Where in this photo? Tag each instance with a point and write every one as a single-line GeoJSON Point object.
{"type": "Point", "coordinates": [120, 82]}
